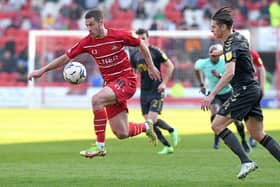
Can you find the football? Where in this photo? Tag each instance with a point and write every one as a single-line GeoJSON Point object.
{"type": "Point", "coordinates": [74, 73]}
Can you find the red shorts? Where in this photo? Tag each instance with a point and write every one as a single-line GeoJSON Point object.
{"type": "Point", "coordinates": [124, 89]}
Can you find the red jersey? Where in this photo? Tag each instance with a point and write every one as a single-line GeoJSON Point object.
{"type": "Point", "coordinates": [108, 52]}
{"type": "Point", "coordinates": [257, 61]}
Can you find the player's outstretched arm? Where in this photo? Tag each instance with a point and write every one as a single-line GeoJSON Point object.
{"type": "Point", "coordinates": [59, 61]}
{"type": "Point", "coordinates": [153, 71]}
{"type": "Point", "coordinates": [169, 70]}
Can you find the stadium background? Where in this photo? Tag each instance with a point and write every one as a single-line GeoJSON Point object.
{"type": "Point", "coordinates": [39, 147]}
{"type": "Point", "coordinates": [18, 17]}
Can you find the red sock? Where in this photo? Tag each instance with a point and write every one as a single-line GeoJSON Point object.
{"type": "Point", "coordinates": [100, 120]}
{"type": "Point", "coordinates": [136, 128]}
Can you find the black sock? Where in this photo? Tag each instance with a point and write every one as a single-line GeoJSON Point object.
{"type": "Point", "coordinates": [162, 124]}
{"type": "Point", "coordinates": [240, 128]}
{"type": "Point", "coordinates": [272, 146]}
{"type": "Point", "coordinates": [232, 142]}
{"type": "Point", "coordinates": [160, 137]}
{"type": "Point", "coordinates": [212, 118]}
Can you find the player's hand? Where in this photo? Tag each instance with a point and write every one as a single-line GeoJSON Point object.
{"type": "Point", "coordinates": [206, 103]}
{"type": "Point", "coordinates": [161, 87]}
{"type": "Point", "coordinates": [154, 73]}
{"type": "Point", "coordinates": [35, 74]}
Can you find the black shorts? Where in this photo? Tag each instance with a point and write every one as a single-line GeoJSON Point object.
{"type": "Point", "coordinates": [243, 102]}
{"type": "Point", "coordinates": [220, 99]}
{"type": "Point", "coordinates": [151, 101]}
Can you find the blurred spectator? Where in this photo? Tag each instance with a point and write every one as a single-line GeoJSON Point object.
{"type": "Point", "coordinates": [240, 21]}
{"type": "Point", "coordinates": [48, 22]}
{"type": "Point", "coordinates": [154, 26]}
{"type": "Point", "coordinates": [140, 10]}
{"type": "Point", "coordinates": [71, 11]}
{"type": "Point", "coordinates": [243, 8]}
{"type": "Point", "coordinates": [9, 62]}
{"type": "Point", "coordinates": [274, 11]}
{"type": "Point", "coordinates": [264, 11]}
{"type": "Point", "coordinates": [61, 23]}
{"type": "Point", "coordinates": [21, 70]}
{"type": "Point", "coordinates": [23, 56]}
{"type": "Point", "coordinates": [16, 21]}
{"type": "Point", "coordinates": [10, 45]}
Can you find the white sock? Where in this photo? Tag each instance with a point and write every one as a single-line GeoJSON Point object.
{"type": "Point", "coordinates": [100, 144]}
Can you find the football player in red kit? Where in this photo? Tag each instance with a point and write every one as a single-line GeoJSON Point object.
{"type": "Point", "coordinates": [107, 47]}
{"type": "Point", "coordinates": [260, 76]}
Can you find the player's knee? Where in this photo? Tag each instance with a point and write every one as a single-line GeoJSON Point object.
{"type": "Point", "coordinates": [120, 135]}
{"type": "Point", "coordinates": [258, 136]}
{"type": "Point", "coordinates": [95, 101]}
{"type": "Point", "coordinates": [216, 129]}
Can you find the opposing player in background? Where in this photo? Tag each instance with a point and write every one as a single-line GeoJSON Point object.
{"type": "Point", "coordinates": [260, 76]}
{"type": "Point", "coordinates": [110, 103]}
{"type": "Point", "coordinates": [152, 91]}
{"type": "Point", "coordinates": [244, 102]}
{"type": "Point", "coordinates": [211, 69]}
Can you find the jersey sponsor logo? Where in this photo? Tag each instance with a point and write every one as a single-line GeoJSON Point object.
{"type": "Point", "coordinates": [108, 61]}
{"type": "Point", "coordinates": [142, 67]}
{"type": "Point", "coordinates": [228, 56]}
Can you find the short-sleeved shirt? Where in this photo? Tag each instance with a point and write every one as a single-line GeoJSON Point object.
{"type": "Point", "coordinates": [206, 66]}
{"type": "Point", "coordinates": [236, 48]}
{"type": "Point", "coordinates": [108, 52]}
{"type": "Point", "coordinates": [138, 63]}
{"type": "Point", "coordinates": [257, 61]}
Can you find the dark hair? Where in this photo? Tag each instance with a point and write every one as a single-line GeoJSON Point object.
{"type": "Point", "coordinates": [223, 16]}
{"type": "Point", "coordinates": [95, 13]}
{"type": "Point", "coordinates": [142, 31]}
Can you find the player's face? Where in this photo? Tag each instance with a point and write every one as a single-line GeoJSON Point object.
{"type": "Point", "coordinates": [94, 27]}
{"type": "Point", "coordinates": [144, 37]}
{"type": "Point", "coordinates": [216, 29]}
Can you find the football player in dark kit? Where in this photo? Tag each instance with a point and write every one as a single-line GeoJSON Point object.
{"type": "Point", "coordinates": [152, 92]}
{"type": "Point", "coordinates": [244, 102]}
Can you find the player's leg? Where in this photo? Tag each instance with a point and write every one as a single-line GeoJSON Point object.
{"type": "Point", "coordinates": [219, 126]}
{"type": "Point", "coordinates": [124, 129]}
{"type": "Point", "coordinates": [172, 131]}
{"type": "Point", "coordinates": [167, 147]}
{"type": "Point", "coordinates": [214, 109]}
{"type": "Point", "coordinates": [252, 142]}
{"type": "Point", "coordinates": [104, 97]}
{"type": "Point", "coordinates": [241, 131]}
{"type": "Point", "coordinates": [255, 127]}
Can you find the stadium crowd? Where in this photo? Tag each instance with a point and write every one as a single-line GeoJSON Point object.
{"type": "Point", "coordinates": [17, 17]}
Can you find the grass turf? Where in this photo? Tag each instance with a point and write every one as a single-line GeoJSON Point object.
{"type": "Point", "coordinates": [41, 148]}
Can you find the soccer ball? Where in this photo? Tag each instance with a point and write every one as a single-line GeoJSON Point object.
{"type": "Point", "coordinates": [74, 73]}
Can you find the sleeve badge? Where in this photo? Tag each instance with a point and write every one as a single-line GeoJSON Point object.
{"type": "Point", "coordinates": [228, 56]}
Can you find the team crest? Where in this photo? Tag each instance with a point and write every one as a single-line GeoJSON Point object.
{"type": "Point", "coordinates": [228, 56]}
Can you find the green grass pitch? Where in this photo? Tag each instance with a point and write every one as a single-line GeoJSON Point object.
{"type": "Point", "coordinates": [40, 147]}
